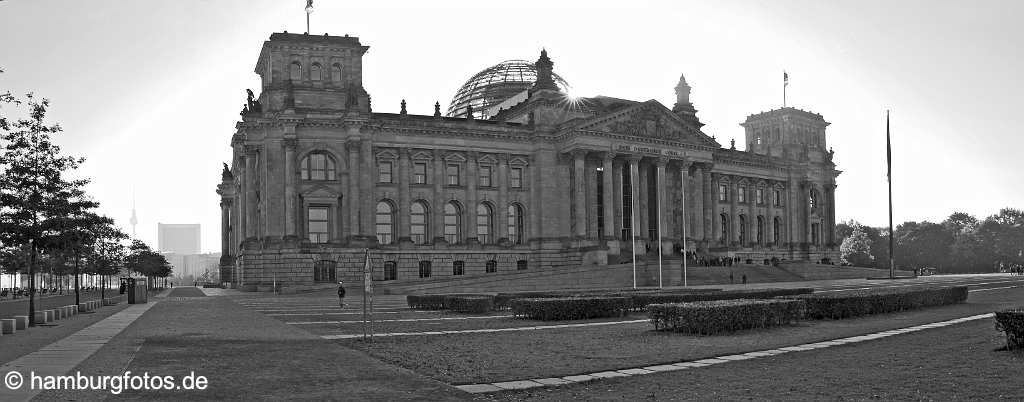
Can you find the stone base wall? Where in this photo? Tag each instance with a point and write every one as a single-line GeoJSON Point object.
{"type": "Point", "coordinates": [293, 267]}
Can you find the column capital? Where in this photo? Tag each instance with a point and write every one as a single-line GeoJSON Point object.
{"type": "Point", "coordinates": [661, 161]}
{"type": "Point", "coordinates": [473, 155]}
{"type": "Point", "coordinates": [579, 153]}
{"type": "Point", "coordinates": [353, 143]}
{"type": "Point", "coordinates": [634, 158]}
{"type": "Point", "coordinates": [252, 149]}
{"type": "Point", "coordinates": [403, 152]}
{"type": "Point", "coordinates": [503, 157]}
{"type": "Point", "coordinates": [609, 156]}
{"type": "Point", "coordinates": [290, 143]}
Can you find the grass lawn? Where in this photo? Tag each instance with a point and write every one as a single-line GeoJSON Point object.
{"type": "Point", "coordinates": [960, 362]}
{"type": "Point", "coordinates": [492, 357]}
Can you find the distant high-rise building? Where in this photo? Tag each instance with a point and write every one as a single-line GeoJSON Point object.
{"type": "Point", "coordinates": [178, 238]}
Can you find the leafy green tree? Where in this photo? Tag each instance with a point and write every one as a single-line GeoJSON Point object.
{"type": "Point", "coordinates": [34, 193]}
{"type": "Point", "coordinates": [856, 248]}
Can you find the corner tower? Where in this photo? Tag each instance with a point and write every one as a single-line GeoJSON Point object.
{"type": "Point", "coordinates": [787, 132]}
{"type": "Point", "coordinates": [315, 73]}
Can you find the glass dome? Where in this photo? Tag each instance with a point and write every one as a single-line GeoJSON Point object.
{"type": "Point", "coordinates": [494, 85]}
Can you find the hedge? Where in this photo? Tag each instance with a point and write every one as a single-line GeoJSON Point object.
{"type": "Point", "coordinates": [845, 304]}
{"type": "Point", "coordinates": [434, 302]}
{"type": "Point", "coordinates": [713, 317]}
{"type": "Point", "coordinates": [641, 301]}
{"type": "Point", "coordinates": [1011, 321]}
{"type": "Point", "coordinates": [470, 304]}
{"type": "Point", "coordinates": [503, 301]}
{"type": "Point", "coordinates": [569, 308]}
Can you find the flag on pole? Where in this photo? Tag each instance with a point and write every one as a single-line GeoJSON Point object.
{"type": "Point", "coordinates": [785, 77]}
{"type": "Point", "coordinates": [309, 6]}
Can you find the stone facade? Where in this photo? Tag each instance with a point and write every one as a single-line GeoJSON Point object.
{"type": "Point", "coordinates": [317, 178]}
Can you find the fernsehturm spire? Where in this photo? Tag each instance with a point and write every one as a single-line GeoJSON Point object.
{"type": "Point", "coordinates": [134, 220]}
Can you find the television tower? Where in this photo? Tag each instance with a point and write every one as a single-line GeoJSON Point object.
{"type": "Point", "coordinates": [134, 220]}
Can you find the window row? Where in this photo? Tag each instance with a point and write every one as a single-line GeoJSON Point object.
{"type": "Point", "coordinates": [452, 174]}
{"type": "Point", "coordinates": [317, 72]}
{"type": "Point", "coordinates": [419, 223]}
{"type": "Point", "coordinates": [326, 271]}
{"type": "Point", "coordinates": [741, 195]}
{"type": "Point", "coordinates": [760, 226]}
{"type": "Point", "coordinates": [319, 166]}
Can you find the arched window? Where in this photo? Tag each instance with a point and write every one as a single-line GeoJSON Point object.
{"type": "Point", "coordinates": [336, 73]}
{"type": "Point", "coordinates": [452, 223]}
{"type": "Point", "coordinates": [390, 270]}
{"type": "Point", "coordinates": [760, 229]}
{"type": "Point", "coordinates": [743, 229]}
{"type": "Point", "coordinates": [776, 231]}
{"type": "Point", "coordinates": [418, 222]}
{"type": "Point", "coordinates": [318, 166]}
{"type": "Point", "coordinates": [723, 220]}
{"type": "Point", "coordinates": [424, 269]}
{"type": "Point", "coordinates": [385, 222]}
{"type": "Point", "coordinates": [515, 224]}
{"type": "Point", "coordinates": [295, 72]}
{"type": "Point", "coordinates": [484, 219]}
{"type": "Point", "coordinates": [314, 72]}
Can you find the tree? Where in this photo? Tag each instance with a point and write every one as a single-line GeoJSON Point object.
{"type": "Point", "coordinates": [105, 257]}
{"type": "Point", "coordinates": [33, 191]}
{"type": "Point", "coordinates": [146, 262]}
{"type": "Point", "coordinates": [856, 248]}
{"type": "Point", "coordinates": [924, 244]}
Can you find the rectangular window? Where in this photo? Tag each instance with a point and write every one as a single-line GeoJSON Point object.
{"type": "Point", "coordinates": [452, 171]}
{"type": "Point", "coordinates": [760, 196]}
{"type": "Point", "coordinates": [778, 197]}
{"type": "Point", "coordinates": [485, 176]}
{"type": "Point", "coordinates": [517, 178]}
{"type": "Point", "coordinates": [384, 172]}
{"type": "Point", "coordinates": [316, 224]}
{"type": "Point", "coordinates": [419, 173]}
{"type": "Point", "coordinates": [742, 194]}
{"type": "Point", "coordinates": [458, 268]}
{"type": "Point", "coordinates": [491, 267]}
{"type": "Point", "coordinates": [723, 192]}
{"type": "Point", "coordinates": [521, 265]}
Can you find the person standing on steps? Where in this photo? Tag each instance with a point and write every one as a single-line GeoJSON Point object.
{"type": "Point", "coordinates": [341, 294]}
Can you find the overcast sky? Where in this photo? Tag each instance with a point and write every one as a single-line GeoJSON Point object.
{"type": "Point", "coordinates": [149, 91]}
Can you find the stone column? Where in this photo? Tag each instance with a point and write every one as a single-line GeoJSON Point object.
{"type": "Point", "coordinates": [353, 199]}
{"type": "Point", "coordinates": [634, 178]}
{"type": "Point", "coordinates": [251, 154]}
{"type": "Point", "coordinates": [661, 206]}
{"type": "Point", "coordinates": [289, 186]}
{"type": "Point", "coordinates": [437, 215]}
{"type": "Point", "coordinates": [501, 215]}
{"type": "Point", "coordinates": [404, 202]}
{"type": "Point", "coordinates": [579, 211]}
{"type": "Point", "coordinates": [617, 218]}
{"type": "Point", "coordinates": [469, 218]}
{"type": "Point", "coordinates": [830, 206]}
{"type": "Point", "coordinates": [609, 199]}
{"type": "Point", "coordinates": [368, 179]}
{"type": "Point", "coordinates": [225, 207]}
{"type": "Point", "coordinates": [769, 228]}
{"type": "Point", "coordinates": [708, 204]}
{"type": "Point", "coordinates": [643, 203]}
{"type": "Point", "coordinates": [533, 210]}
{"type": "Point", "coordinates": [686, 224]}
{"type": "Point", "coordinates": [733, 216]}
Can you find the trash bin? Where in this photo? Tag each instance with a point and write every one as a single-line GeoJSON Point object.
{"type": "Point", "coordinates": [137, 292]}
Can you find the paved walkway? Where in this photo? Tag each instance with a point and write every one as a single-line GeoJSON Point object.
{"type": "Point", "coordinates": [60, 357]}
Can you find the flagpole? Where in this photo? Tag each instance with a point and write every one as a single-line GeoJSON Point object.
{"type": "Point", "coordinates": [888, 163]}
{"type": "Point", "coordinates": [682, 187]}
{"type": "Point", "coordinates": [785, 83]}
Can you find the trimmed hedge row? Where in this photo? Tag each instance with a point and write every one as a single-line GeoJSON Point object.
{"type": "Point", "coordinates": [640, 301]}
{"type": "Point", "coordinates": [470, 304]}
{"type": "Point", "coordinates": [436, 301]}
{"type": "Point", "coordinates": [713, 317]}
{"type": "Point", "coordinates": [876, 301]}
{"type": "Point", "coordinates": [569, 308]}
{"type": "Point", "coordinates": [1011, 321]}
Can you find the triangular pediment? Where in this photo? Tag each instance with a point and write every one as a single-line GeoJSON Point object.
{"type": "Point", "coordinates": [320, 191]}
{"type": "Point", "coordinates": [649, 119]}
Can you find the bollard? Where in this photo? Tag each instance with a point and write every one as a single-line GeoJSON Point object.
{"type": "Point", "coordinates": [73, 308]}
{"type": "Point", "coordinates": [40, 317]}
{"type": "Point", "coordinates": [82, 307]}
{"type": "Point", "coordinates": [21, 322]}
{"type": "Point", "coordinates": [7, 326]}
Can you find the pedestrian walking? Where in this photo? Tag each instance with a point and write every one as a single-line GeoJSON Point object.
{"type": "Point", "coordinates": [744, 279]}
{"type": "Point", "coordinates": [341, 294]}
{"type": "Point", "coordinates": [731, 278]}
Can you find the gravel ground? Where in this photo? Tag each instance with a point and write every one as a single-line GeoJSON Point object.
{"type": "Point", "coordinates": [24, 342]}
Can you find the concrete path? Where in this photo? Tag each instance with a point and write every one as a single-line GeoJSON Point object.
{"type": "Point", "coordinates": [60, 357]}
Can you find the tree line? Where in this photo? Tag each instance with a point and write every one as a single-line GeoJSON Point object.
{"type": "Point", "coordinates": [48, 222]}
{"type": "Point", "coordinates": [962, 243]}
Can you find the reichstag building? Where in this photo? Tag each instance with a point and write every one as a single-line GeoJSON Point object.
{"type": "Point", "coordinates": [514, 175]}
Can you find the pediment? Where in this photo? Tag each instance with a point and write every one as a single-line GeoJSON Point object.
{"type": "Point", "coordinates": [320, 191]}
{"type": "Point", "coordinates": [488, 159]}
{"type": "Point", "coordinates": [422, 155]}
{"type": "Point", "coordinates": [386, 154]}
{"type": "Point", "coordinates": [649, 119]}
{"type": "Point", "coordinates": [455, 157]}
